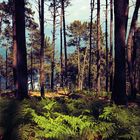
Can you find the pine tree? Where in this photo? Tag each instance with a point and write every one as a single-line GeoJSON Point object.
{"type": "Point", "coordinates": [65, 41]}
{"type": "Point", "coordinates": [130, 50]}
{"type": "Point", "coordinates": [21, 66]}
{"type": "Point", "coordinates": [42, 74]}
{"type": "Point", "coordinates": [119, 89]}
{"type": "Point", "coordinates": [91, 43]}
{"type": "Point", "coordinates": [98, 49]}
{"type": "Point", "coordinates": [107, 54]}
{"type": "Point", "coordinates": [111, 45]}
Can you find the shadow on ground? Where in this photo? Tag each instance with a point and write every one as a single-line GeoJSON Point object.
{"type": "Point", "coordinates": [8, 116]}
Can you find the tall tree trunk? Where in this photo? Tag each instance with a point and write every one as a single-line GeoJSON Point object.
{"type": "Point", "coordinates": [14, 48]}
{"type": "Point", "coordinates": [42, 74]}
{"type": "Point", "coordinates": [6, 75]}
{"type": "Point", "coordinates": [0, 83]}
{"type": "Point", "coordinates": [0, 23]}
{"type": "Point", "coordinates": [53, 45]}
{"type": "Point", "coordinates": [111, 45]}
{"type": "Point", "coordinates": [61, 47]}
{"type": "Point", "coordinates": [119, 89]}
{"type": "Point", "coordinates": [0, 34]}
{"type": "Point", "coordinates": [98, 48]}
{"type": "Point", "coordinates": [83, 69]}
{"type": "Point", "coordinates": [65, 41]}
{"type": "Point", "coordinates": [32, 86]}
{"type": "Point", "coordinates": [126, 5]}
{"type": "Point", "coordinates": [106, 35]}
{"type": "Point", "coordinates": [130, 49]}
{"type": "Point", "coordinates": [78, 61]}
{"type": "Point", "coordinates": [21, 58]}
{"type": "Point", "coordinates": [90, 49]}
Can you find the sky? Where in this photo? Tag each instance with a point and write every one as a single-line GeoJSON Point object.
{"type": "Point", "coordinates": [79, 10]}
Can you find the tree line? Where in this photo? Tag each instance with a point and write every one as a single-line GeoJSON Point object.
{"type": "Point", "coordinates": [98, 61]}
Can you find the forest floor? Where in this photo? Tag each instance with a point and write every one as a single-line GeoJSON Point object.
{"type": "Point", "coordinates": [65, 93]}
{"type": "Point", "coordinates": [81, 115]}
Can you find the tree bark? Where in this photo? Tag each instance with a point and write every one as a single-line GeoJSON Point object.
{"type": "Point", "coordinates": [0, 23]}
{"type": "Point", "coordinates": [42, 74]}
{"type": "Point", "coordinates": [78, 61]}
{"type": "Point", "coordinates": [83, 69]}
{"type": "Point", "coordinates": [130, 49]}
{"type": "Point", "coordinates": [6, 82]}
{"type": "Point", "coordinates": [90, 49]}
{"type": "Point", "coordinates": [111, 45]}
{"type": "Point", "coordinates": [61, 47]}
{"type": "Point", "coordinates": [53, 45]}
{"type": "Point", "coordinates": [119, 89]}
{"type": "Point", "coordinates": [65, 41]}
{"type": "Point", "coordinates": [0, 84]}
{"type": "Point", "coordinates": [14, 48]}
{"type": "Point", "coordinates": [106, 35]}
{"type": "Point", "coordinates": [98, 48]}
{"type": "Point", "coordinates": [21, 58]}
{"type": "Point", "coordinates": [32, 85]}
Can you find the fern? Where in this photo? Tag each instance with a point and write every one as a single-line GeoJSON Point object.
{"type": "Point", "coordinates": [122, 123]}
{"type": "Point", "coordinates": [67, 119]}
{"type": "Point", "coordinates": [62, 125]}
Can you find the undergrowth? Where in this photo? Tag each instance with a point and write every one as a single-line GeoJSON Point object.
{"type": "Point", "coordinates": [67, 119]}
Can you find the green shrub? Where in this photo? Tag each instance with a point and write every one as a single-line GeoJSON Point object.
{"type": "Point", "coordinates": [67, 119]}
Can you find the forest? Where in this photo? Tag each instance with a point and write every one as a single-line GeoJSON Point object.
{"type": "Point", "coordinates": [69, 70]}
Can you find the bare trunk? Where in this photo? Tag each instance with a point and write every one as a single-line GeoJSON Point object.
{"type": "Point", "coordinates": [14, 49]}
{"type": "Point", "coordinates": [42, 74]}
{"type": "Point", "coordinates": [53, 45]}
{"type": "Point", "coordinates": [119, 89]}
{"type": "Point", "coordinates": [61, 48]}
{"type": "Point", "coordinates": [83, 69]}
{"type": "Point", "coordinates": [130, 48]}
{"type": "Point", "coordinates": [106, 35]}
{"type": "Point", "coordinates": [0, 23]}
{"type": "Point", "coordinates": [98, 48]}
{"type": "Point", "coordinates": [21, 58]}
{"type": "Point", "coordinates": [90, 49]}
{"type": "Point", "coordinates": [65, 41]}
{"type": "Point", "coordinates": [32, 86]}
{"type": "Point", "coordinates": [126, 5]}
{"type": "Point", "coordinates": [0, 84]}
{"type": "Point", "coordinates": [6, 82]}
{"type": "Point", "coordinates": [111, 45]}
{"type": "Point", "coordinates": [78, 61]}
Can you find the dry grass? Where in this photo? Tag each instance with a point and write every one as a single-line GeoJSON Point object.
{"type": "Point", "coordinates": [50, 94]}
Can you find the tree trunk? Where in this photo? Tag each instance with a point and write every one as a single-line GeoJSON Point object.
{"type": "Point", "coordinates": [83, 69]}
{"type": "Point", "coordinates": [0, 84]}
{"type": "Point", "coordinates": [65, 41]}
{"type": "Point", "coordinates": [61, 47]}
{"type": "Point", "coordinates": [53, 45]}
{"type": "Point", "coordinates": [106, 35]}
{"type": "Point", "coordinates": [0, 23]}
{"type": "Point", "coordinates": [21, 58]}
{"type": "Point", "coordinates": [119, 89]}
{"type": "Point", "coordinates": [78, 61]}
{"type": "Point", "coordinates": [130, 49]}
{"type": "Point", "coordinates": [42, 74]}
{"type": "Point", "coordinates": [98, 48]}
{"type": "Point", "coordinates": [90, 49]}
{"type": "Point", "coordinates": [111, 45]}
{"type": "Point", "coordinates": [14, 49]}
{"type": "Point", "coordinates": [32, 86]}
{"type": "Point", "coordinates": [6, 75]}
